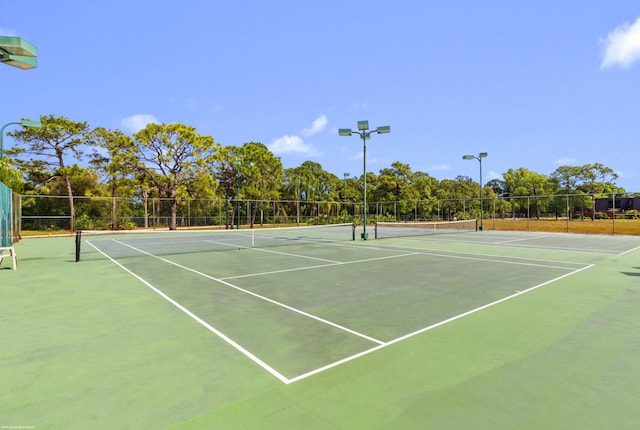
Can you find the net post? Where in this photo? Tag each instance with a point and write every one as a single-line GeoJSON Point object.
{"type": "Point", "coordinates": [78, 242]}
{"type": "Point", "coordinates": [375, 230]}
{"type": "Point", "coordinates": [476, 225]}
{"type": "Point", "coordinates": [353, 231]}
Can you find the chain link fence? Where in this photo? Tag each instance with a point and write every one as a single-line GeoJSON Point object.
{"type": "Point", "coordinates": [102, 213]}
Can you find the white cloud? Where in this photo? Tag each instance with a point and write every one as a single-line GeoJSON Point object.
{"type": "Point", "coordinates": [622, 46]}
{"type": "Point", "coordinates": [358, 156]}
{"type": "Point", "coordinates": [438, 168]}
{"type": "Point", "coordinates": [565, 161]}
{"type": "Point", "coordinates": [295, 144]}
{"type": "Point", "coordinates": [494, 175]}
{"type": "Point", "coordinates": [318, 125]}
{"type": "Point", "coordinates": [291, 144]}
{"type": "Point", "coordinates": [135, 123]}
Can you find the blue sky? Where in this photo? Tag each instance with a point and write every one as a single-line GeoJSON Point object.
{"type": "Point", "coordinates": [535, 84]}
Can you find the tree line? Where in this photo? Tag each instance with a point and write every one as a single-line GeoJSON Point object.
{"type": "Point", "coordinates": [175, 162]}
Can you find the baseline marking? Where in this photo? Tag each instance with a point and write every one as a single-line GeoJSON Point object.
{"type": "Point", "coordinates": [431, 327]}
{"type": "Point", "coordinates": [200, 321]}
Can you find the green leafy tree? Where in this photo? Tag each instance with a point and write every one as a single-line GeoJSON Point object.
{"type": "Point", "coordinates": [264, 179]}
{"type": "Point", "coordinates": [454, 193]}
{"type": "Point", "coordinates": [589, 179]}
{"type": "Point", "coordinates": [295, 189]}
{"type": "Point", "coordinates": [172, 157]}
{"type": "Point", "coordinates": [524, 182]}
{"type": "Point", "coordinates": [567, 178]}
{"type": "Point", "coordinates": [84, 183]}
{"type": "Point", "coordinates": [309, 184]}
{"type": "Point", "coordinates": [398, 185]}
{"type": "Point", "coordinates": [10, 176]}
{"type": "Point", "coordinates": [113, 160]}
{"type": "Point", "coordinates": [596, 177]}
{"type": "Point", "coordinates": [44, 151]}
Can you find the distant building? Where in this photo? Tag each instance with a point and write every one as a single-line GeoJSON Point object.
{"type": "Point", "coordinates": [622, 204]}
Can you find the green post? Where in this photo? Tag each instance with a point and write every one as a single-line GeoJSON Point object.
{"type": "Point", "coordinates": [479, 158]}
{"type": "Point", "coordinates": [23, 122]}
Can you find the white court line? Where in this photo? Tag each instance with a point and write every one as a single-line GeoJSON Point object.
{"type": "Point", "coordinates": [380, 345]}
{"type": "Point", "coordinates": [295, 269]}
{"type": "Point", "coordinates": [494, 260]}
{"type": "Point", "coordinates": [276, 252]}
{"type": "Point", "coordinates": [500, 242]}
{"type": "Point", "coordinates": [431, 327]}
{"type": "Point", "coordinates": [440, 239]}
{"type": "Point", "coordinates": [200, 321]}
{"type": "Point", "coordinates": [631, 250]}
{"type": "Point", "coordinates": [486, 257]}
{"type": "Point", "coordinates": [421, 251]}
{"type": "Point", "coordinates": [446, 253]}
{"type": "Point", "coordinates": [251, 293]}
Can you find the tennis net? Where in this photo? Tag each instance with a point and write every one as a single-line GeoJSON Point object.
{"type": "Point", "coordinates": [405, 229]}
{"type": "Point", "coordinates": [122, 244]}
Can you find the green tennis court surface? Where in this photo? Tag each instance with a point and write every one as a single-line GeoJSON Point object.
{"type": "Point", "coordinates": [213, 330]}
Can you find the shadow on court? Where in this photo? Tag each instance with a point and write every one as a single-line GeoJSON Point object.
{"type": "Point", "coordinates": [632, 273]}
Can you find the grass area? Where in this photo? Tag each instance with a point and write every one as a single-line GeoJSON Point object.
{"type": "Point", "coordinates": [586, 226]}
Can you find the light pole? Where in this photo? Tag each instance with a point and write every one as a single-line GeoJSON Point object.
{"type": "Point", "coordinates": [479, 158]}
{"type": "Point", "coordinates": [24, 122]}
{"type": "Point", "coordinates": [17, 52]}
{"type": "Point", "coordinates": [363, 126]}
{"type": "Point", "coordinates": [239, 164]}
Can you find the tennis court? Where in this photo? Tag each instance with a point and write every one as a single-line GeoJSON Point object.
{"type": "Point", "coordinates": [301, 301]}
{"type": "Point", "coordinates": [309, 328]}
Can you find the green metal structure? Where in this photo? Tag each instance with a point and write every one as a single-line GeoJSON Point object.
{"type": "Point", "coordinates": [363, 126]}
{"type": "Point", "coordinates": [17, 52]}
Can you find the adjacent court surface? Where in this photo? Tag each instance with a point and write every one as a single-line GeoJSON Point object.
{"type": "Point", "coordinates": [307, 328]}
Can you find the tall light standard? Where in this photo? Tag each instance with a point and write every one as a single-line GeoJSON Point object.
{"type": "Point", "coordinates": [479, 158]}
{"type": "Point", "coordinates": [239, 164]}
{"type": "Point", "coordinates": [23, 122]}
{"type": "Point", "coordinates": [17, 52]}
{"type": "Point", "coordinates": [363, 126]}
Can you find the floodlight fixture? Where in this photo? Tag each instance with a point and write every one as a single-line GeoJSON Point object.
{"type": "Point", "coordinates": [346, 175]}
{"type": "Point", "coordinates": [363, 126]}
{"type": "Point", "coordinates": [17, 52]}
{"type": "Point", "coordinates": [29, 123]}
